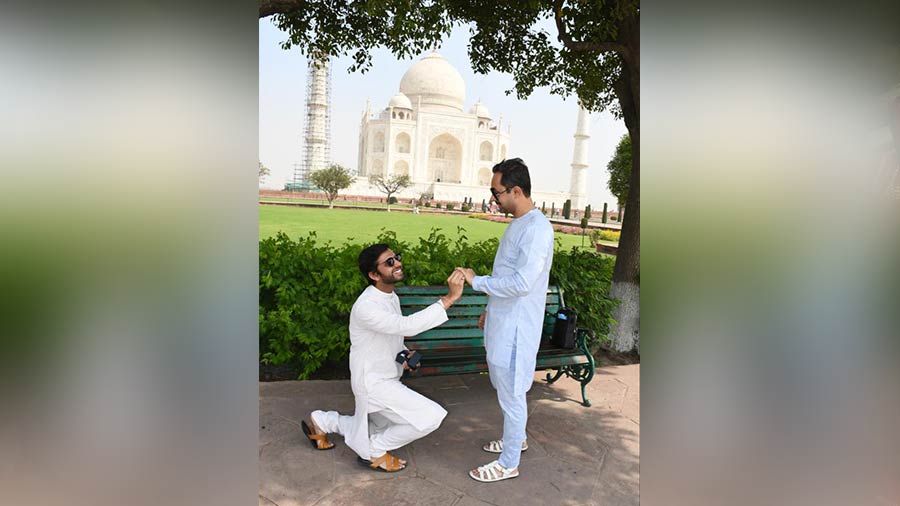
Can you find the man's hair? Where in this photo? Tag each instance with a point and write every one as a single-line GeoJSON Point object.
{"type": "Point", "coordinates": [368, 259]}
{"type": "Point", "coordinates": [514, 172]}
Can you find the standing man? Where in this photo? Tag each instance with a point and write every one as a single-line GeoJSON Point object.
{"type": "Point", "coordinates": [388, 414]}
{"type": "Point", "coordinates": [514, 317]}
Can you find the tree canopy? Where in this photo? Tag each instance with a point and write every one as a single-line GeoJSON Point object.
{"type": "Point", "coordinates": [263, 171]}
{"type": "Point", "coordinates": [331, 180]}
{"type": "Point", "coordinates": [619, 169]}
{"type": "Point", "coordinates": [585, 56]}
{"type": "Point", "coordinates": [389, 185]}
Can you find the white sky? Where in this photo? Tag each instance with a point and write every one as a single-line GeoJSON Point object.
{"type": "Point", "coordinates": [543, 126]}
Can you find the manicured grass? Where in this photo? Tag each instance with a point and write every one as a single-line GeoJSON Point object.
{"type": "Point", "coordinates": [340, 225]}
{"type": "Point", "coordinates": [337, 203]}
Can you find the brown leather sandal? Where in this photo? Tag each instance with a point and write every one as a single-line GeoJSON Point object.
{"type": "Point", "coordinates": [319, 441]}
{"type": "Point", "coordinates": [391, 463]}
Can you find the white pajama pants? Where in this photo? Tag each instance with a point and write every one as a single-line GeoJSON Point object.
{"type": "Point", "coordinates": [387, 430]}
{"type": "Point", "coordinates": [515, 411]}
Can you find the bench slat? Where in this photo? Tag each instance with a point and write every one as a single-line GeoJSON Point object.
{"type": "Point", "coordinates": [454, 323]}
{"type": "Point", "coordinates": [473, 350]}
{"type": "Point", "coordinates": [451, 333]}
{"type": "Point", "coordinates": [427, 300]}
{"type": "Point", "coordinates": [439, 290]}
{"type": "Point", "coordinates": [438, 367]}
{"type": "Point", "coordinates": [473, 311]}
{"type": "Point", "coordinates": [453, 311]}
{"type": "Point", "coordinates": [465, 327]}
{"type": "Point", "coordinates": [428, 348]}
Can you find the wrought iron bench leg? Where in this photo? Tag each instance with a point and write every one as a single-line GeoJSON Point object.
{"type": "Point", "coordinates": [559, 372]}
{"type": "Point", "coordinates": [585, 381]}
{"type": "Point", "coordinates": [586, 372]}
{"type": "Point", "coordinates": [582, 373]}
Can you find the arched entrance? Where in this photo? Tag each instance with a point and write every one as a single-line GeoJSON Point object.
{"type": "Point", "coordinates": [445, 159]}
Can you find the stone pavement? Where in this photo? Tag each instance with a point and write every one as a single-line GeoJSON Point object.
{"type": "Point", "coordinates": [576, 455]}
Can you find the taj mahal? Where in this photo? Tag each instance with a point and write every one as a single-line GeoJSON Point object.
{"type": "Point", "coordinates": [426, 132]}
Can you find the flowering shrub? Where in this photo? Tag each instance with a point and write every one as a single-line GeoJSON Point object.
{"type": "Point", "coordinates": [605, 235]}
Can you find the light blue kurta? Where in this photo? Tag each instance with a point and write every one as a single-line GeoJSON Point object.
{"type": "Point", "coordinates": [517, 296]}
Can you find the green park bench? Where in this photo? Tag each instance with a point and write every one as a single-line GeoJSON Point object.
{"type": "Point", "coordinates": [457, 345]}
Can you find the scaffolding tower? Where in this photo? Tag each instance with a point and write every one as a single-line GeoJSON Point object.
{"type": "Point", "coordinates": [317, 125]}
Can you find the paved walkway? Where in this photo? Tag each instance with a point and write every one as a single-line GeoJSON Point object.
{"type": "Point", "coordinates": [576, 456]}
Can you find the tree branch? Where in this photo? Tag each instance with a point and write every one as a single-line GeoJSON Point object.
{"type": "Point", "coordinates": [269, 7]}
{"type": "Point", "coordinates": [600, 46]}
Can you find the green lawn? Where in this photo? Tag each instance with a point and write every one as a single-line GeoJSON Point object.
{"type": "Point", "coordinates": [337, 203]}
{"type": "Point", "coordinates": [343, 225]}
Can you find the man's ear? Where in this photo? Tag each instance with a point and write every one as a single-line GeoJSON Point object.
{"type": "Point", "coordinates": [374, 276]}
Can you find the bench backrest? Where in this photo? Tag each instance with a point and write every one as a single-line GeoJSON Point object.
{"type": "Point", "coordinates": [461, 333]}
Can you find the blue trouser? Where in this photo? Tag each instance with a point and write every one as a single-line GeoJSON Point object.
{"type": "Point", "coordinates": [515, 411]}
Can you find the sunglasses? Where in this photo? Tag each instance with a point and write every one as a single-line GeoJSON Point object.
{"type": "Point", "coordinates": [497, 194]}
{"type": "Point", "coordinates": [392, 260]}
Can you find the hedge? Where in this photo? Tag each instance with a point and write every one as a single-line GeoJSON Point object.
{"type": "Point", "coordinates": [306, 289]}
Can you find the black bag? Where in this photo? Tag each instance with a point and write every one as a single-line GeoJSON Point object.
{"type": "Point", "coordinates": [564, 328]}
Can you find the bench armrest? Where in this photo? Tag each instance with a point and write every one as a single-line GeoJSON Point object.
{"type": "Point", "coordinates": [581, 335]}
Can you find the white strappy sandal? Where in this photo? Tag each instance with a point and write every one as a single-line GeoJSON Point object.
{"type": "Point", "coordinates": [492, 472]}
{"type": "Point", "coordinates": [496, 446]}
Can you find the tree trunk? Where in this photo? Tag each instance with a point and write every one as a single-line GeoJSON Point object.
{"type": "Point", "coordinates": [625, 334]}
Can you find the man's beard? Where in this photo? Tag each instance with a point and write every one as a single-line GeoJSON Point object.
{"type": "Point", "coordinates": [393, 278]}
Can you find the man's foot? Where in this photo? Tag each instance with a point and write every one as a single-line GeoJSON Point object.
{"type": "Point", "coordinates": [316, 435]}
{"type": "Point", "coordinates": [492, 472]}
{"type": "Point", "coordinates": [496, 446]}
{"type": "Point", "coordinates": [386, 463]}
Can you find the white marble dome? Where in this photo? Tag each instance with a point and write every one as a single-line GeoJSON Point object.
{"type": "Point", "coordinates": [400, 101]}
{"type": "Point", "coordinates": [480, 110]}
{"type": "Point", "coordinates": [436, 82]}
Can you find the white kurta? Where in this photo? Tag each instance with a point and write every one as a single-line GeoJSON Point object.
{"type": "Point", "coordinates": [517, 295]}
{"type": "Point", "coordinates": [377, 330]}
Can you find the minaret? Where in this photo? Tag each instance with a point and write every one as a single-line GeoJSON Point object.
{"type": "Point", "coordinates": [317, 127]}
{"type": "Point", "coordinates": [361, 167]}
{"type": "Point", "coordinates": [578, 188]}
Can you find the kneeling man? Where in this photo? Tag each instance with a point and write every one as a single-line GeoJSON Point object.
{"type": "Point", "coordinates": [388, 414]}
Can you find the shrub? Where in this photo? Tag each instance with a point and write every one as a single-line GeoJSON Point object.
{"type": "Point", "coordinates": [604, 235]}
{"type": "Point", "coordinates": [466, 208]}
{"type": "Point", "coordinates": [585, 278]}
{"type": "Point", "coordinates": [450, 206]}
{"type": "Point", "coordinates": [610, 235]}
{"type": "Point", "coordinates": [306, 289]}
{"type": "Point", "coordinates": [427, 204]}
{"type": "Point", "coordinates": [392, 200]}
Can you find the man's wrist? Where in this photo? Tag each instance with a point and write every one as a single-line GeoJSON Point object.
{"type": "Point", "coordinates": [446, 301]}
